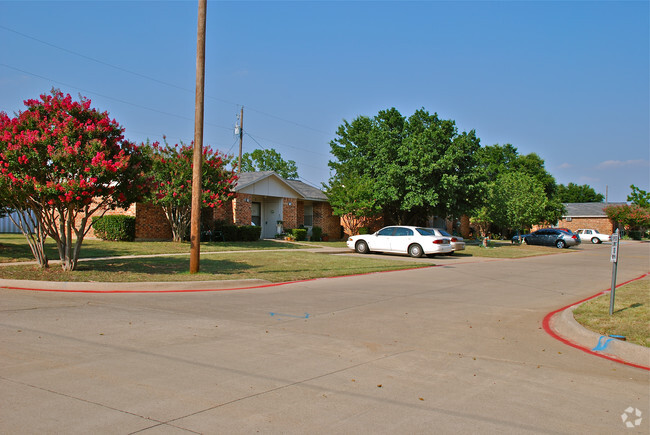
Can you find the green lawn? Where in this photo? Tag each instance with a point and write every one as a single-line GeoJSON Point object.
{"type": "Point", "coordinates": [290, 265]}
{"type": "Point", "coordinates": [13, 248]}
{"type": "Point", "coordinates": [631, 317]}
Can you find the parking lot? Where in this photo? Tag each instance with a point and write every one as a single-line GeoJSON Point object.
{"type": "Point", "coordinates": [455, 348]}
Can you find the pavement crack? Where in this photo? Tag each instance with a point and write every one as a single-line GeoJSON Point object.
{"type": "Point", "coordinates": [290, 384]}
{"type": "Point", "coordinates": [80, 399]}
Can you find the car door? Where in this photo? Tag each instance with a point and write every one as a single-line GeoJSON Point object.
{"type": "Point", "coordinates": [380, 241]}
{"type": "Point", "coordinates": [539, 237]}
{"type": "Point", "coordinates": [553, 236]}
{"type": "Point", "coordinates": [401, 239]}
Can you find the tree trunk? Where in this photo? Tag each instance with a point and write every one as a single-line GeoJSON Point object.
{"type": "Point", "coordinates": [32, 228]}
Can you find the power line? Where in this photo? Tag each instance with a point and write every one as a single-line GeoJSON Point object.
{"type": "Point", "coordinates": [301, 163]}
{"type": "Point", "coordinates": [108, 97]}
{"type": "Point", "coordinates": [153, 79]}
{"type": "Point", "coordinates": [290, 146]}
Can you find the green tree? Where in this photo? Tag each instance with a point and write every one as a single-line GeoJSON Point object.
{"type": "Point", "coordinates": [269, 160]}
{"type": "Point", "coordinates": [419, 165]}
{"type": "Point", "coordinates": [639, 197]}
{"type": "Point", "coordinates": [630, 216]}
{"type": "Point", "coordinates": [575, 193]}
{"type": "Point", "coordinates": [352, 198]}
{"type": "Point", "coordinates": [497, 160]}
{"type": "Point", "coordinates": [518, 200]}
{"type": "Point", "coordinates": [63, 162]}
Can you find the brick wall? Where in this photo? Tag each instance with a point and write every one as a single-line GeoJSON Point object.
{"type": "Point", "coordinates": [290, 213]}
{"type": "Point", "coordinates": [300, 213]}
{"type": "Point", "coordinates": [464, 226]}
{"type": "Point", "coordinates": [372, 224]}
{"type": "Point", "coordinates": [324, 218]}
{"type": "Point", "coordinates": [603, 225]}
{"type": "Point", "coordinates": [241, 209]}
{"type": "Point", "coordinates": [224, 212]}
{"type": "Point", "coordinates": [151, 223]}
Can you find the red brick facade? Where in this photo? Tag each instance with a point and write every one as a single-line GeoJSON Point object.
{"type": "Point", "coordinates": [151, 223]}
{"type": "Point", "coordinates": [241, 209]}
{"type": "Point", "coordinates": [602, 224]}
{"type": "Point", "coordinates": [324, 218]}
{"type": "Point", "coordinates": [290, 213]}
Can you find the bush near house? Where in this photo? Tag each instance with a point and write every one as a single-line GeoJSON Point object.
{"type": "Point", "coordinates": [316, 233]}
{"type": "Point", "coordinates": [238, 233]}
{"type": "Point", "coordinates": [115, 227]}
{"type": "Point", "coordinates": [248, 233]}
{"type": "Point", "coordinates": [299, 234]}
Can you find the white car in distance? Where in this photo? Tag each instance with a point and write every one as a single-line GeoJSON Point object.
{"type": "Point", "coordinates": [593, 236]}
{"type": "Point", "coordinates": [414, 241]}
{"type": "Point", "coordinates": [457, 242]}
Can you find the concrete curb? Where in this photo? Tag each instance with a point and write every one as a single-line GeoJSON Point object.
{"type": "Point", "coordinates": [132, 287]}
{"type": "Point", "coordinates": [564, 324]}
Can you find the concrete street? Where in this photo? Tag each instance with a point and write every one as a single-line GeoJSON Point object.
{"type": "Point", "coordinates": [452, 349]}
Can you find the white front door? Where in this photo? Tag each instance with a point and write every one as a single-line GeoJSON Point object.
{"type": "Point", "coordinates": [271, 214]}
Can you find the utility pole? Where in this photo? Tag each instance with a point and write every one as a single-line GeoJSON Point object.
{"type": "Point", "coordinates": [241, 137]}
{"type": "Point", "coordinates": [197, 161]}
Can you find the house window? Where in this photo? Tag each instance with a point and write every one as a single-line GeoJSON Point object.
{"type": "Point", "coordinates": [309, 215]}
{"type": "Point", "coordinates": [256, 215]}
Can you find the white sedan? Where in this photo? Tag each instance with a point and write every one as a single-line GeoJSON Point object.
{"type": "Point", "coordinates": [593, 236]}
{"type": "Point", "coordinates": [457, 242]}
{"type": "Point", "coordinates": [414, 241]}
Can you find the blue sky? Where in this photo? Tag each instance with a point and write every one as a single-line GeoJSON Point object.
{"type": "Point", "coordinates": [566, 80]}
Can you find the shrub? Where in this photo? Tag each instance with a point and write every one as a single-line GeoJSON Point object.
{"type": "Point", "coordinates": [299, 234]}
{"type": "Point", "coordinates": [635, 235]}
{"type": "Point", "coordinates": [316, 233]}
{"type": "Point", "coordinates": [249, 233]}
{"type": "Point", "coordinates": [238, 233]}
{"type": "Point", "coordinates": [115, 227]}
{"type": "Point", "coordinates": [363, 230]}
{"type": "Point", "coordinates": [229, 233]}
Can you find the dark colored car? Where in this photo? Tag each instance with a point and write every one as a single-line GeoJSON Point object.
{"type": "Point", "coordinates": [519, 238]}
{"type": "Point", "coordinates": [552, 237]}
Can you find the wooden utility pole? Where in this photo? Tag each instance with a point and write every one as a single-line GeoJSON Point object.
{"type": "Point", "coordinates": [197, 162]}
{"type": "Point", "coordinates": [241, 137]}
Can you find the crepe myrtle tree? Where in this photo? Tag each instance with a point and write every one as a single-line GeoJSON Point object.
{"type": "Point", "coordinates": [172, 181]}
{"type": "Point", "coordinates": [61, 162]}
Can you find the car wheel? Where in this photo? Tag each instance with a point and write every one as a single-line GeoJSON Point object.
{"type": "Point", "coordinates": [415, 251]}
{"type": "Point", "coordinates": [595, 240]}
{"type": "Point", "coordinates": [361, 247]}
{"type": "Point", "coordinates": [560, 244]}
{"type": "Point", "coordinates": [526, 241]}
{"type": "Point", "coordinates": [450, 253]}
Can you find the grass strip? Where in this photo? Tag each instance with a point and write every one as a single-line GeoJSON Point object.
{"type": "Point", "coordinates": [631, 317]}
{"type": "Point", "coordinates": [14, 248]}
{"type": "Point", "coordinates": [270, 266]}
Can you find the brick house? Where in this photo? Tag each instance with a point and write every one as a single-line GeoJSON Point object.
{"type": "Point", "coordinates": [262, 198]}
{"type": "Point", "coordinates": [276, 203]}
{"type": "Point", "coordinates": [588, 215]}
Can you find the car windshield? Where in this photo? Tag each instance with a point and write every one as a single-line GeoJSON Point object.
{"type": "Point", "coordinates": [596, 231]}
{"type": "Point", "coordinates": [444, 233]}
{"type": "Point", "coordinates": [425, 232]}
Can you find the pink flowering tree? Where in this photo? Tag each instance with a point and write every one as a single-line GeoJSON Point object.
{"type": "Point", "coordinates": [172, 174]}
{"type": "Point", "coordinates": [632, 217]}
{"type": "Point", "coordinates": [62, 162]}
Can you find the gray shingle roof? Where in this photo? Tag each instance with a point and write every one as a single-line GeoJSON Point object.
{"type": "Point", "coordinates": [587, 209]}
{"type": "Point", "coordinates": [305, 190]}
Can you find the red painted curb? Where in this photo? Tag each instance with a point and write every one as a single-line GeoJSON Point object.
{"type": "Point", "coordinates": [546, 323]}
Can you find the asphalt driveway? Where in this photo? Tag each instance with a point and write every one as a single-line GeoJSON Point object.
{"type": "Point", "coordinates": [456, 348]}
